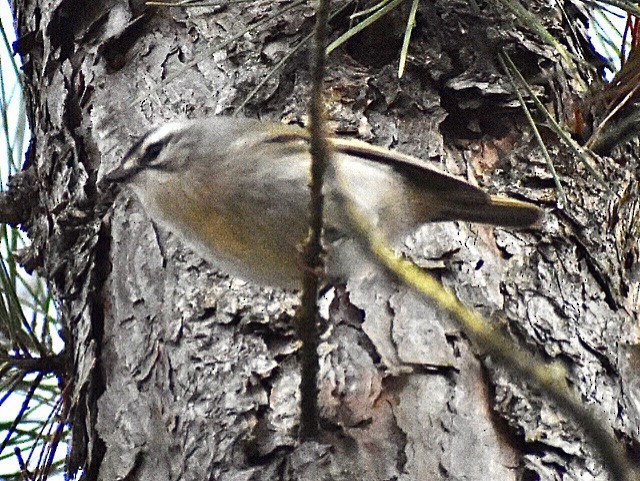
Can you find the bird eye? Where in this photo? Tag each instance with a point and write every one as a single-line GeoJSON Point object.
{"type": "Point", "coordinates": [152, 152]}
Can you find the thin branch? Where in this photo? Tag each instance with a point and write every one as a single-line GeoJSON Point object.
{"type": "Point", "coordinates": [550, 379]}
{"type": "Point", "coordinates": [362, 25]}
{"type": "Point", "coordinates": [21, 412]}
{"type": "Point", "coordinates": [628, 7]}
{"type": "Point", "coordinates": [279, 65]}
{"type": "Point", "coordinates": [411, 22]}
{"type": "Point", "coordinates": [312, 254]}
{"type": "Point", "coordinates": [583, 154]}
{"type": "Point", "coordinates": [536, 132]}
{"type": "Point", "coordinates": [533, 23]}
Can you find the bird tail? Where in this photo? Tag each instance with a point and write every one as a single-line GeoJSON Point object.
{"type": "Point", "coordinates": [498, 210]}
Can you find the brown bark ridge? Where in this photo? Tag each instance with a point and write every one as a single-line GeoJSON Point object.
{"type": "Point", "coordinates": [183, 373]}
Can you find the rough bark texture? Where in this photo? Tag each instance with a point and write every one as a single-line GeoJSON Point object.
{"type": "Point", "coordinates": [183, 373]}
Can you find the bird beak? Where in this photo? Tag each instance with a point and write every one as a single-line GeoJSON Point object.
{"type": "Point", "coordinates": [127, 169]}
{"type": "Point", "coordinates": [120, 174]}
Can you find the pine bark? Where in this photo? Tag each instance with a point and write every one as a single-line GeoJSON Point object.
{"type": "Point", "coordinates": [183, 373]}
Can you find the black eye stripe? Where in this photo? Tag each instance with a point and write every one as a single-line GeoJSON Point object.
{"type": "Point", "coordinates": [152, 152]}
{"type": "Point", "coordinates": [163, 167]}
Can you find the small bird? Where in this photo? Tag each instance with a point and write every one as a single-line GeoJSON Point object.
{"type": "Point", "coordinates": [236, 190]}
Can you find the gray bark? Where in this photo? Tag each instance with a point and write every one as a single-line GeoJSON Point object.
{"type": "Point", "coordinates": [183, 373]}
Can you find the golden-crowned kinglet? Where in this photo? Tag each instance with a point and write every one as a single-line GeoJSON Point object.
{"type": "Point", "coordinates": [237, 190]}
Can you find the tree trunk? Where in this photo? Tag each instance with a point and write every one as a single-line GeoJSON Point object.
{"type": "Point", "coordinates": [183, 373]}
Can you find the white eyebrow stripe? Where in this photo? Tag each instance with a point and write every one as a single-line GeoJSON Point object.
{"type": "Point", "coordinates": [162, 132]}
